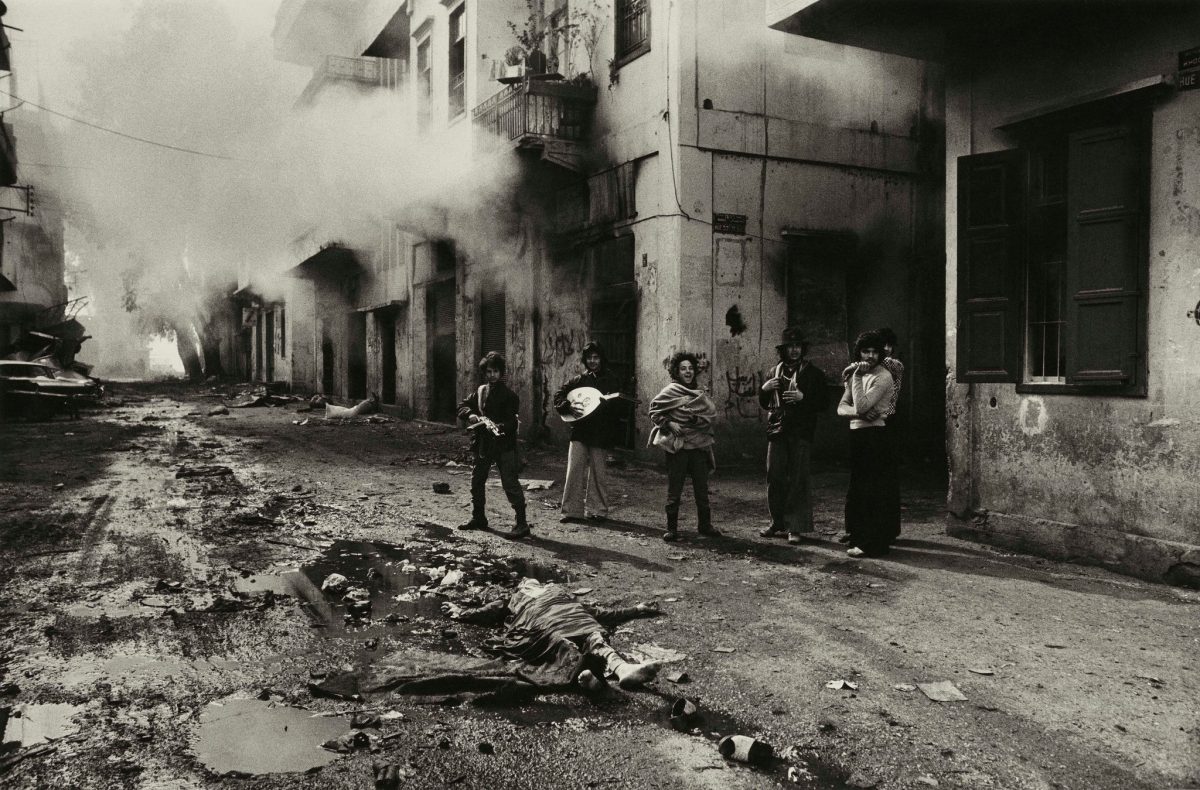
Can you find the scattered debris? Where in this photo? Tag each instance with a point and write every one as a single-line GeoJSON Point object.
{"type": "Point", "coordinates": [360, 409]}
{"type": "Point", "coordinates": [363, 720]}
{"type": "Point", "coordinates": [202, 471]}
{"type": "Point", "coordinates": [942, 691]}
{"type": "Point", "coordinates": [679, 677]}
{"type": "Point", "coordinates": [1056, 646]}
{"type": "Point", "coordinates": [861, 780]}
{"type": "Point", "coordinates": [745, 749]}
{"type": "Point", "coordinates": [343, 685]}
{"type": "Point", "coordinates": [218, 411]}
{"type": "Point", "coordinates": [906, 687]}
{"type": "Point", "coordinates": [981, 671]}
{"type": "Point", "coordinates": [927, 780]}
{"type": "Point", "coordinates": [350, 742]}
{"type": "Point", "coordinates": [839, 685]}
{"type": "Point", "coordinates": [586, 590]}
{"type": "Point", "coordinates": [724, 649]}
{"type": "Point", "coordinates": [1153, 680]}
{"type": "Point", "coordinates": [300, 422]}
{"type": "Point", "coordinates": [441, 488]}
{"type": "Point", "coordinates": [335, 583]}
{"type": "Point", "coordinates": [685, 715]}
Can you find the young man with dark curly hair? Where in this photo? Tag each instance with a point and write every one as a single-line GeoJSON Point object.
{"type": "Point", "coordinates": [491, 414]}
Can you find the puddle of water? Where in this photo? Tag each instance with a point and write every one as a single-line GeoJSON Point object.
{"type": "Point", "coordinates": [256, 737]}
{"type": "Point", "coordinates": [31, 724]}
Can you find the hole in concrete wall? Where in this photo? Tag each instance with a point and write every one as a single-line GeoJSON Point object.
{"type": "Point", "coordinates": [992, 403]}
{"type": "Point", "coordinates": [733, 320]}
{"type": "Point", "coordinates": [707, 104]}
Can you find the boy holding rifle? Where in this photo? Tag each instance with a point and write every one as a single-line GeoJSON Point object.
{"type": "Point", "coordinates": [491, 415]}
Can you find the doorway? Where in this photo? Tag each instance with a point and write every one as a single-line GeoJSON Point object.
{"type": "Point", "coordinates": [440, 303]}
{"type": "Point", "coordinates": [356, 356]}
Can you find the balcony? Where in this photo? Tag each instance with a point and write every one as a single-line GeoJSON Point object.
{"type": "Point", "coordinates": [386, 73]}
{"type": "Point", "coordinates": [534, 113]}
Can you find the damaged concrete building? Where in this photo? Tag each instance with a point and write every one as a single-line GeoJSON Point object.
{"type": "Point", "coordinates": [33, 292]}
{"type": "Point", "coordinates": [690, 179]}
{"type": "Point", "coordinates": [1072, 235]}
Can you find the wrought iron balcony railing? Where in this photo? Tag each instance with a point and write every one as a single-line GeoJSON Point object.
{"type": "Point", "coordinates": [533, 109]}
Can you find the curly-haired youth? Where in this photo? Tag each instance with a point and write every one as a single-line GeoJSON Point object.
{"type": "Point", "coordinates": [677, 358]}
{"type": "Point", "coordinates": [493, 359]}
{"type": "Point", "coordinates": [869, 339]}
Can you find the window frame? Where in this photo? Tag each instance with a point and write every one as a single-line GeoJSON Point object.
{"type": "Point", "coordinates": [623, 51]}
{"type": "Point", "coordinates": [456, 83]}
{"type": "Point", "coordinates": [1044, 134]}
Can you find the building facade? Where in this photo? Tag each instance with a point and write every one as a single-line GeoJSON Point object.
{"type": "Point", "coordinates": [1072, 175]}
{"type": "Point", "coordinates": [687, 179]}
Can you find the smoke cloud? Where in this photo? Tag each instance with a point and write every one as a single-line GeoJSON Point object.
{"type": "Point", "coordinates": [261, 183]}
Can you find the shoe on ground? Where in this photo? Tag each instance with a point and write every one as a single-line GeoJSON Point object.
{"type": "Point", "coordinates": [844, 538]}
{"type": "Point", "coordinates": [710, 532]}
{"type": "Point", "coordinates": [855, 551]}
{"type": "Point", "coordinates": [796, 538]}
{"type": "Point", "coordinates": [519, 531]}
{"type": "Point", "coordinates": [773, 532]}
{"type": "Point", "coordinates": [572, 520]}
{"type": "Point", "coordinates": [670, 536]}
{"type": "Point", "coordinates": [596, 517]}
{"type": "Point", "coordinates": [473, 524]}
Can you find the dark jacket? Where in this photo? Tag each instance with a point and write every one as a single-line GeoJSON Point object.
{"type": "Point", "coordinates": [598, 429]}
{"type": "Point", "coordinates": [500, 405]}
{"type": "Point", "coordinates": [798, 419]}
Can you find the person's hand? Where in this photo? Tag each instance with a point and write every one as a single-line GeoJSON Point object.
{"type": "Point", "coordinates": [771, 385]}
{"type": "Point", "coordinates": [861, 367]}
{"type": "Point", "coordinates": [872, 415]}
{"type": "Point", "coordinates": [452, 610]}
{"type": "Point", "coordinates": [472, 418]}
{"type": "Point", "coordinates": [791, 396]}
{"type": "Point", "coordinates": [672, 426]}
{"type": "Point", "coordinates": [647, 607]}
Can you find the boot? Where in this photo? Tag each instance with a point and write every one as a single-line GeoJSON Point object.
{"type": "Point", "coordinates": [704, 522]}
{"type": "Point", "coordinates": [478, 521]}
{"type": "Point", "coordinates": [672, 533]}
{"type": "Point", "coordinates": [521, 527]}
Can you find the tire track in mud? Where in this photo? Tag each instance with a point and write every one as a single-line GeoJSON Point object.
{"type": "Point", "coordinates": [94, 523]}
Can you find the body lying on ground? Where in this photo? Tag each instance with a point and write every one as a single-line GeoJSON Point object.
{"type": "Point", "coordinates": [545, 626]}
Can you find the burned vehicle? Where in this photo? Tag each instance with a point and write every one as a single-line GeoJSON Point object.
{"type": "Point", "coordinates": [36, 391]}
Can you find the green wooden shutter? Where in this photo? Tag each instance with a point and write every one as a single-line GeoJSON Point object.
{"type": "Point", "coordinates": [991, 233]}
{"type": "Point", "coordinates": [1104, 255]}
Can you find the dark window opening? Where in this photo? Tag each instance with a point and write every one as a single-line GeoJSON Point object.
{"type": "Point", "coordinates": [458, 62]}
{"type": "Point", "coordinates": [444, 258]}
{"type": "Point", "coordinates": [282, 331]}
{"type": "Point", "coordinates": [424, 85]}
{"type": "Point", "coordinates": [493, 322]}
{"type": "Point", "coordinates": [614, 321]}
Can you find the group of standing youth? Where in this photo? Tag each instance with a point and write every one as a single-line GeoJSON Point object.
{"type": "Point", "coordinates": [683, 414]}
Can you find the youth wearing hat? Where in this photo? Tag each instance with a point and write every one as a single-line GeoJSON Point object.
{"type": "Point", "coordinates": [793, 396]}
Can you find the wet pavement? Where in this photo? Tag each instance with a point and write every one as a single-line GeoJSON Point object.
{"type": "Point", "coordinates": [167, 630]}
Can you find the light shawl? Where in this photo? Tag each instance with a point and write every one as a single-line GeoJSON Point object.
{"type": "Point", "coordinates": [692, 410]}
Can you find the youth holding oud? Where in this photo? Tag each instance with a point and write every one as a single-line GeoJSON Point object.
{"type": "Point", "coordinates": [586, 490]}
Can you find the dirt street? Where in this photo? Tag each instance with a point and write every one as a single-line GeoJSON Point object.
{"type": "Point", "coordinates": [163, 626]}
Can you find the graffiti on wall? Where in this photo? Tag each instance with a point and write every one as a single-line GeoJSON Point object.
{"type": "Point", "coordinates": [741, 400]}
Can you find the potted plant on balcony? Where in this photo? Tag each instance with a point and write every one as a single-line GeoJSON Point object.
{"type": "Point", "coordinates": [526, 59]}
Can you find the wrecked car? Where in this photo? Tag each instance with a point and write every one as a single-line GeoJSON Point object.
{"type": "Point", "coordinates": [36, 391]}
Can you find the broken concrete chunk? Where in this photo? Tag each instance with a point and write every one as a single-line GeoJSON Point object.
{"type": "Point", "coordinates": [840, 685]}
{"type": "Point", "coordinates": [335, 583]}
{"type": "Point", "coordinates": [942, 691]}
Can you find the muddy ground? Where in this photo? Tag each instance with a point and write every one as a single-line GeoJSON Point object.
{"type": "Point", "coordinates": [167, 631]}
